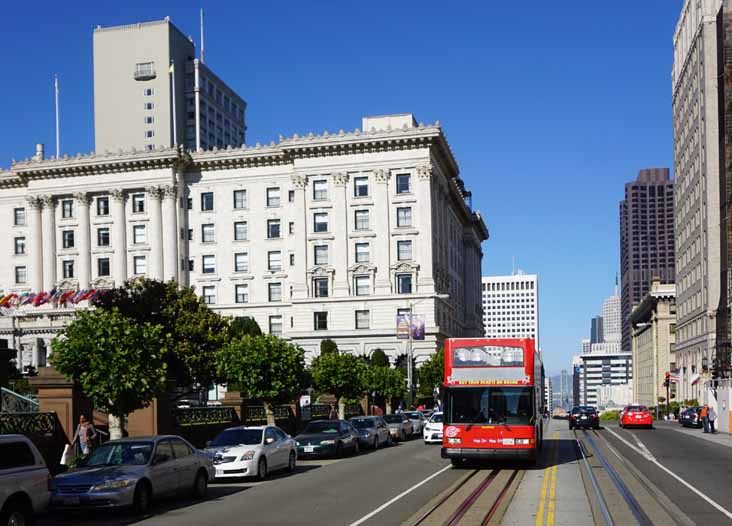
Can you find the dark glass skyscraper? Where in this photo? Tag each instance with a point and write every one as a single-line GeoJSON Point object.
{"type": "Point", "coordinates": [646, 240]}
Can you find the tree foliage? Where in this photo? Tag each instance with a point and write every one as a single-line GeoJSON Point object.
{"type": "Point", "coordinates": [340, 374]}
{"type": "Point", "coordinates": [119, 364]}
{"type": "Point", "coordinates": [243, 326]}
{"type": "Point", "coordinates": [385, 382]}
{"type": "Point", "coordinates": [197, 332]}
{"type": "Point", "coordinates": [328, 346]}
{"type": "Point", "coordinates": [431, 374]}
{"type": "Point", "coordinates": [265, 367]}
{"type": "Point", "coordinates": [379, 358]}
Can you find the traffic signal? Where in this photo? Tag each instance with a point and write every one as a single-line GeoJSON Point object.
{"type": "Point", "coordinates": [667, 381]}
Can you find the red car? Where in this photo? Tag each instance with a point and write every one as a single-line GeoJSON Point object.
{"type": "Point", "coordinates": [636, 415]}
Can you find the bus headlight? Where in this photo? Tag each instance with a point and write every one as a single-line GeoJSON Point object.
{"type": "Point", "coordinates": [457, 440]}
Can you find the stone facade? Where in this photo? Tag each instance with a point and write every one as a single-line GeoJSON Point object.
{"type": "Point", "coordinates": [327, 236]}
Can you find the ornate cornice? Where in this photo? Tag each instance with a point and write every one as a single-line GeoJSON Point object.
{"type": "Point", "coordinates": [169, 191]}
{"type": "Point", "coordinates": [156, 192]}
{"type": "Point", "coordinates": [118, 194]}
{"type": "Point", "coordinates": [34, 202]}
{"type": "Point", "coordinates": [299, 182]}
{"type": "Point", "coordinates": [339, 179]}
{"type": "Point", "coordinates": [83, 198]}
{"type": "Point", "coordinates": [48, 201]}
{"type": "Point", "coordinates": [424, 173]}
{"type": "Point", "coordinates": [381, 176]}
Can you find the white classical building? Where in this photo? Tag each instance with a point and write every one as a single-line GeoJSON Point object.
{"type": "Point", "coordinates": [317, 236]}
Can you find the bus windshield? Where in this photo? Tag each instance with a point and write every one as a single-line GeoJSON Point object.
{"type": "Point", "coordinates": [490, 405]}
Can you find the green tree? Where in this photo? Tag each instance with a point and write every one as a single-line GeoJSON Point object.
{"type": "Point", "coordinates": [379, 358]}
{"type": "Point", "coordinates": [196, 331]}
{"type": "Point", "coordinates": [265, 367]}
{"type": "Point", "coordinates": [340, 374]}
{"type": "Point", "coordinates": [328, 346]}
{"type": "Point", "coordinates": [242, 326]}
{"type": "Point", "coordinates": [120, 365]}
{"type": "Point", "coordinates": [386, 383]}
{"type": "Point", "coordinates": [431, 375]}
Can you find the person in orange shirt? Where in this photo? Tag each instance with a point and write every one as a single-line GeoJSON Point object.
{"type": "Point", "coordinates": [704, 415]}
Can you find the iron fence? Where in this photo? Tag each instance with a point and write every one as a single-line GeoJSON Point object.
{"type": "Point", "coordinates": [12, 402]}
{"type": "Point", "coordinates": [203, 416]}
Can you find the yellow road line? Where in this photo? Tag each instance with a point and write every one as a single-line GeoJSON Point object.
{"type": "Point", "coordinates": [550, 472]}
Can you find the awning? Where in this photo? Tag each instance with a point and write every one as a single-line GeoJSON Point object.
{"type": "Point", "coordinates": [695, 378]}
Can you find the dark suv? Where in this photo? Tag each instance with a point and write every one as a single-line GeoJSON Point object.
{"type": "Point", "coordinates": [584, 416]}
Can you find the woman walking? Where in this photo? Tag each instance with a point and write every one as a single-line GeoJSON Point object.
{"type": "Point", "coordinates": [85, 433]}
{"type": "Point", "coordinates": [712, 415]}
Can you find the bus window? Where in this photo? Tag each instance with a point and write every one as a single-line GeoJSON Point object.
{"type": "Point", "coordinates": [490, 405]}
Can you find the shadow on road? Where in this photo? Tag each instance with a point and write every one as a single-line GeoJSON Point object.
{"type": "Point", "coordinates": [554, 452]}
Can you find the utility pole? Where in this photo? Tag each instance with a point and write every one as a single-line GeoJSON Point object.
{"type": "Point", "coordinates": [667, 383]}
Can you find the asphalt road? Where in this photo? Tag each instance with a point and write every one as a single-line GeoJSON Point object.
{"type": "Point", "coordinates": [321, 492]}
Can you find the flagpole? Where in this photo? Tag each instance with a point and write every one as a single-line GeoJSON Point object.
{"type": "Point", "coordinates": [175, 126]}
{"type": "Point", "coordinates": [58, 135]}
{"type": "Point", "coordinates": [202, 47]}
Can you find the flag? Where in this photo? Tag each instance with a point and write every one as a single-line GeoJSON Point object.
{"type": "Point", "coordinates": [40, 297]}
{"type": "Point", "coordinates": [29, 298]}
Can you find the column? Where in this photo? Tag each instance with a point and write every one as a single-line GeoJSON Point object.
{"type": "Point", "coordinates": [380, 219]}
{"type": "Point", "coordinates": [36, 244]}
{"type": "Point", "coordinates": [170, 229]}
{"type": "Point", "coordinates": [155, 233]}
{"type": "Point", "coordinates": [119, 237]}
{"type": "Point", "coordinates": [425, 282]}
{"type": "Point", "coordinates": [299, 273]}
{"type": "Point", "coordinates": [82, 201]}
{"type": "Point", "coordinates": [339, 226]}
{"type": "Point", "coordinates": [49, 242]}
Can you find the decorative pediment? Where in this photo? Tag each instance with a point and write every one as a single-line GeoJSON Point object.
{"type": "Point", "coordinates": [67, 284]}
{"type": "Point", "coordinates": [102, 282]}
{"type": "Point", "coordinates": [321, 270]}
{"type": "Point", "coordinates": [362, 268]}
{"type": "Point", "coordinates": [405, 266]}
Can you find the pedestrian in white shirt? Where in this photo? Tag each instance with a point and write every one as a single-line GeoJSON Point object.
{"type": "Point", "coordinates": [712, 417]}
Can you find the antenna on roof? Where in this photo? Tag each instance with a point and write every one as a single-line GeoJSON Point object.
{"type": "Point", "coordinates": [58, 136]}
{"type": "Point", "coordinates": [202, 47]}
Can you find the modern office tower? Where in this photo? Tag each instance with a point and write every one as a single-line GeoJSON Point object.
{"type": "Point", "coordinates": [150, 91]}
{"type": "Point", "coordinates": [611, 318]}
{"type": "Point", "coordinates": [564, 389]}
{"type": "Point", "coordinates": [576, 368]}
{"type": "Point", "coordinates": [548, 394]}
{"type": "Point", "coordinates": [695, 80]}
{"type": "Point", "coordinates": [511, 306]}
{"type": "Point", "coordinates": [596, 331]}
{"type": "Point", "coordinates": [586, 345]}
{"type": "Point", "coordinates": [646, 240]}
{"type": "Point", "coordinates": [601, 368]}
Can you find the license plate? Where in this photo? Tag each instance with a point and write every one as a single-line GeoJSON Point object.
{"type": "Point", "coordinates": [638, 416]}
{"type": "Point", "coordinates": [583, 418]}
{"type": "Point", "coordinates": [71, 501]}
{"type": "Point", "coordinates": [309, 449]}
{"type": "Point", "coordinates": [509, 442]}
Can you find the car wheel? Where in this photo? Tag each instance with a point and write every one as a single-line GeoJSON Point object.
{"type": "Point", "coordinates": [356, 448]}
{"type": "Point", "coordinates": [262, 468]}
{"type": "Point", "coordinates": [389, 441]}
{"type": "Point", "coordinates": [376, 443]}
{"type": "Point", "coordinates": [16, 514]}
{"type": "Point", "coordinates": [403, 437]}
{"type": "Point", "coordinates": [292, 463]}
{"type": "Point", "coordinates": [339, 450]}
{"type": "Point", "coordinates": [141, 500]}
{"type": "Point", "coordinates": [200, 485]}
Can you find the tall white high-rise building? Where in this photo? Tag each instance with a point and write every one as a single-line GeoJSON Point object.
{"type": "Point", "coordinates": [511, 306]}
{"type": "Point", "coordinates": [611, 320]}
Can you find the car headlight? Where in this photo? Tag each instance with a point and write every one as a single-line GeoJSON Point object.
{"type": "Point", "coordinates": [327, 442]}
{"type": "Point", "coordinates": [112, 484]}
{"type": "Point", "coordinates": [248, 455]}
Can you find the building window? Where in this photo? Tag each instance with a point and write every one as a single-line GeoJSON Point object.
{"type": "Point", "coordinates": [404, 250]}
{"type": "Point", "coordinates": [207, 202]}
{"type": "Point", "coordinates": [292, 260]}
{"type": "Point", "coordinates": [149, 133]}
{"type": "Point", "coordinates": [140, 265]}
{"type": "Point", "coordinates": [68, 238]}
{"type": "Point", "coordinates": [362, 252]}
{"type": "Point", "coordinates": [320, 222]}
{"type": "Point", "coordinates": [209, 264]}
{"type": "Point", "coordinates": [291, 196]}
{"type": "Point", "coordinates": [404, 216]}
{"type": "Point", "coordinates": [320, 286]}
{"type": "Point", "coordinates": [242, 293]}
{"type": "Point", "coordinates": [362, 219]}
{"type": "Point", "coordinates": [275, 325]}
{"type": "Point", "coordinates": [190, 234]}
{"type": "Point", "coordinates": [144, 70]}
{"type": "Point", "coordinates": [240, 199]}
{"type": "Point", "coordinates": [149, 105]}
{"type": "Point", "coordinates": [404, 283]}
{"type": "Point", "coordinates": [274, 260]}
{"type": "Point", "coordinates": [403, 183]}
{"type": "Point", "coordinates": [150, 147]}
{"type": "Point", "coordinates": [68, 269]}
{"type": "Point", "coordinates": [321, 254]}
{"type": "Point", "coordinates": [190, 265]}
{"type": "Point", "coordinates": [362, 285]}
{"type": "Point", "coordinates": [19, 245]}
{"type": "Point", "coordinates": [67, 208]}
{"type": "Point", "coordinates": [149, 119]}
{"type": "Point", "coordinates": [209, 295]}
{"type": "Point", "coordinates": [148, 92]}
{"type": "Point", "coordinates": [241, 262]}
{"type": "Point", "coordinates": [362, 319]}
{"type": "Point", "coordinates": [103, 237]}
{"type": "Point", "coordinates": [275, 292]}
{"type": "Point", "coordinates": [320, 321]}
{"type": "Point", "coordinates": [102, 206]}
{"type": "Point", "coordinates": [273, 229]}
{"type": "Point", "coordinates": [273, 197]}
{"type": "Point", "coordinates": [21, 275]}
{"type": "Point", "coordinates": [189, 203]}
{"type": "Point", "coordinates": [19, 216]}
{"type": "Point", "coordinates": [291, 227]}
{"type": "Point", "coordinates": [241, 231]}
{"type": "Point", "coordinates": [404, 313]}
{"type": "Point", "coordinates": [138, 203]}
{"type": "Point", "coordinates": [139, 234]}
{"type": "Point", "coordinates": [320, 190]}
{"type": "Point", "coordinates": [208, 233]}
{"type": "Point", "coordinates": [103, 267]}
{"type": "Point", "coordinates": [361, 186]}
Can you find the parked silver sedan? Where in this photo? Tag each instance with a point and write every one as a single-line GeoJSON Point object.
{"type": "Point", "coordinates": [130, 472]}
{"type": "Point", "coordinates": [400, 426]}
{"type": "Point", "coordinates": [418, 421]}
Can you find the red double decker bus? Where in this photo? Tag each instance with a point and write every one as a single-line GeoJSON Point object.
{"type": "Point", "coordinates": [493, 399]}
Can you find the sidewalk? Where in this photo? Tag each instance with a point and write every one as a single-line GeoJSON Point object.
{"type": "Point", "coordinates": [724, 439]}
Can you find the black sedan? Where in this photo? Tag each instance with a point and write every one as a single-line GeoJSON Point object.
{"type": "Point", "coordinates": [690, 417]}
{"type": "Point", "coordinates": [584, 416]}
{"type": "Point", "coordinates": [327, 438]}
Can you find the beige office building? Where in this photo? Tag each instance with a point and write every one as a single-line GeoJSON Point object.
{"type": "Point", "coordinates": [151, 92]}
{"type": "Point", "coordinates": [697, 206]}
{"type": "Point", "coordinates": [653, 339]}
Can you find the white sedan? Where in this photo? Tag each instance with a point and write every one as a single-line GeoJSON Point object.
{"type": "Point", "coordinates": [433, 429]}
{"type": "Point", "coordinates": [252, 452]}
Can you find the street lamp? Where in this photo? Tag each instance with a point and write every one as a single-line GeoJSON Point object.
{"type": "Point", "coordinates": [410, 372]}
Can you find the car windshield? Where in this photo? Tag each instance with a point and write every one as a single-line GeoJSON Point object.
{"type": "Point", "coordinates": [436, 419]}
{"type": "Point", "coordinates": [120, 454]}
{"type": "Point", "coordinates": [636, 408]}
{"type": "Point", "coordinates": [235, 437]}
{"type": "Point", "coordinates": [393, 419]}
{"type": "Point", "coordinates": [490, 405]}
{"type": "Point", "coordinates": [321, 427]}
{"type": "Point", "coordinates": [363, 423]}
{"type": "Point", "coordinates": [414, 415]}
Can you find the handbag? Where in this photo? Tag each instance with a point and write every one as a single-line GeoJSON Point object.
{"type": "Point", "coordinates": [66, 455]}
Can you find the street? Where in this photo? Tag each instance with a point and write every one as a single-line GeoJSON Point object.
{"type": "Point", "coordinates": [639, 477]}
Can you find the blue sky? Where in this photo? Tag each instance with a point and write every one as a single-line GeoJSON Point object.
{"type": "Point", "coordinates": [550, 107]}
